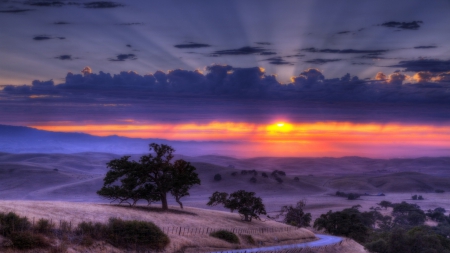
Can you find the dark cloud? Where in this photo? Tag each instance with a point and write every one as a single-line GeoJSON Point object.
{"type": "Point", "coordinates": [123, 57]}
{"type": "Point", "coordinates": [263, 43]}
{"type": "Point", "coordinates": [430, 65]}
{"type": "Point", "coordinates": [42, 37]}
{"type": "Point", "coordinates": [131, 23]}
{"type": "Point", "coordinates": [343, 32]}
{"type": "Point", "coordinates": [243, 51]}
{"type": "Point", "coordinates": [61, 23]}
{"type": "Point", "coordinates": [192, 45]}
{"type": "Point", "coordinates": [16, 10]}
{"type": "Point", "coordinates": [64, 57]}
{"type": "Point", "coordinates": [343, 51]}
{"type": "Point", "coordinates": [322, 61]}
{"type": "Point", "coordinates": [128, 45]}
{"type": "Point", "coordinates": [294, 55]}
{"type": "Point", "coordinates": [102, 4]}
{"type": "Point", "coordinates": [414, 25]}
{"type": "Point", "coordinates": [425, 47]}
{"type": "Point", "coordinates": [278, 61]}
{"type": "Point", "coordinates": [46, 3]}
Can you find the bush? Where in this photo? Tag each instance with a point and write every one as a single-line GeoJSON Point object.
{"type": "Point", "coordinates": [127, 234]}
{"type": "Point", "coordinates": [244, 172]}
{"type": "Point", "coordinates": [28, 240]}
{"type": "Point", "coordinates": [279, 180]}
{"type": "Point", "coordinates": [264, 174]}
{"type": "Point", "coordinates": [226, 236]}
{"type": "Point", "coordinates": [234, 174]}
{"type": "Point", "coordinates": [93, 230]}
{"type": "Point", "coordinates": [12, 222]}
{"type": "Point", "coordinates": [253, 179]}
{"type": "Point", "coordinates": [249, 239]}
{"type": "Point", "coordinates": [353, 196]}
{"type": "Point", "coordinates": [296, 179]}
{"type": "Point", "coordinates": [379, 246]}
{"type": "Point", "coordinates": [420, 197]}
{"type": "Point", "coordinates": [414, 197]}
{"type": "Point", "coordinates": [217, 177]}
{"type": "Point", "coordinates": [43, 226]}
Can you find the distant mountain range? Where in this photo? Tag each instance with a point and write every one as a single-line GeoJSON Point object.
{"type": "Point", "coordinates": [19, 139]}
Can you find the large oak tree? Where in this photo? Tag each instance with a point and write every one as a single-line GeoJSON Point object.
{"type": "Point", "coordinates": [151, 179]}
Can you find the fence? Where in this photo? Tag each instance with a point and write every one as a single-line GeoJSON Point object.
{"type": "Point", "coordinates": [183, 231]}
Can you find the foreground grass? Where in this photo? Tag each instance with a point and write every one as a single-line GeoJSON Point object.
{"type": "Point", "coordinates": [76, 213]}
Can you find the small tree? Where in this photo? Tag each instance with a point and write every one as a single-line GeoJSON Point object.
{"type": "Point", "coordinates": [253, 179]}
{"type": "Point", "coordinates": [385, 204]}
{"type": "Point", "coordinates": [217, 177]}
{"type": "Point", "coordinates": [264, 174]}
{"type": "Point", "coordinates": [294, 215]}
{"type": "Point", "coordinates": [247, 205]}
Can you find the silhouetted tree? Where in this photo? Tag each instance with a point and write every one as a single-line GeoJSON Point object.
{"type": "Point", "coordinates": [264, 174]}
{"type": "Point", "coordinates": [217, 177]}
{"type": "Point", "coordinates": [247, 205]}
{"type": "Point", "coordinates": [151, 179]}
{"type": "Point", "coordinates": [294, 215]}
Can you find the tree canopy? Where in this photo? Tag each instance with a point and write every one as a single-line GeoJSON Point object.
{"type": "Point", "coordinates": [246, 203]}
{"type": "Point", "coordinates": [294, 215]}
{"type": "Point", "coordinates": [150, 179]}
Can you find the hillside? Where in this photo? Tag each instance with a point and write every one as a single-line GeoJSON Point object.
{"type": "Point", "coordinates": [189, 219]}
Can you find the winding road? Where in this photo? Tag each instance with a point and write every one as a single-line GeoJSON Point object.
{"type": "Point", "coordinates": [324, 240]}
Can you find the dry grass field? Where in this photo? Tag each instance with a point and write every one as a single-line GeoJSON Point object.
{"type": "Point", "coordinates": [188, 218]}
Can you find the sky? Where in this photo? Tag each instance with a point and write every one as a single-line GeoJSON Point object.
{"type": "Point", "coordinates": [287, 78]}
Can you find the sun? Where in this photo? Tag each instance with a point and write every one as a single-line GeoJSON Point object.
{"type": "Point", "coordinates": [281, 124]}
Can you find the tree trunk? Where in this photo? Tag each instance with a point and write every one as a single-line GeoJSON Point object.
{"type": "Point", "coordinates": [179, 202]}
{"type": "Point", "coordinates": [164, 201]}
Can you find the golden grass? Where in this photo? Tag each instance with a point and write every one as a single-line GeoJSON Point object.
{"type": "Point", "coordinates": [187, 218]}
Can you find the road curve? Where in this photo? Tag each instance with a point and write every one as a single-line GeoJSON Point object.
{"type": "Point", "coordinates": [324, 240]}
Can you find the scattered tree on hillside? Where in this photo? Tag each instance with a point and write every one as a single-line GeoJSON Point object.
{"type": "Point", "coordinates": [408, 214]}
{"type": "Point", "coordinates": [217, 177]}
{"type": "Point", "coordinates": [264, 174]}
{"type": "Point", "coordinates": [348, 222]}
{"type": "Point", "coordinates": [294, 215]}
{"type": "Point", "coordinates": [151, 179]}
{"type": "Point", "coordinates": [247, 205]}
{"type": "Point", "coordinates": [385, 204]}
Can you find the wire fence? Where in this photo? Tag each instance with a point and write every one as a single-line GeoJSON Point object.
{"type": "Point", "coordinates": [186, 231]}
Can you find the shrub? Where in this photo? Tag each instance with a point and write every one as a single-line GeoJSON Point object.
{"type": "Point", "coordinates": [226, 236]}
{"type": "Point", "coordinates": [296, 179]}
{"type": "Point", "coordinates": [94, 230]}
{"type": "Point", "coordinates": [126, 234]}
{"type": "Point", "coordinates": [249, 239]}
{"type": "Point", "coordinates": [379, 245]}
{"type": "Point", "coordinates": [28, 240]}
{"type": "Point", "coordinates": [234, 174]}
{"type": "Point", "coordinates": [217, 177]}
{"type": "Point", "coordinates": [244, 172]}
{"type": "Point", "coordinates": [43, 226]}
{"type": "Point", "coordinates": [414, 197]}
{"type": "Point", "coordinates": [253, 179]}
{"type": "Point", "coordinates": [279, 180]}
{"type": "Point", "coordinates": [264, 174]}
{"type": "Point", "coordinates": [420, 197]}
{"type": "Point", "coordinates": [353, 196]}
{"type": "Point", "coordinates": [12, 222]}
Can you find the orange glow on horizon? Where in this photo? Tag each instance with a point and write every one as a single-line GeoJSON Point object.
{"type": "Point", "coordinates": [282, 137]}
